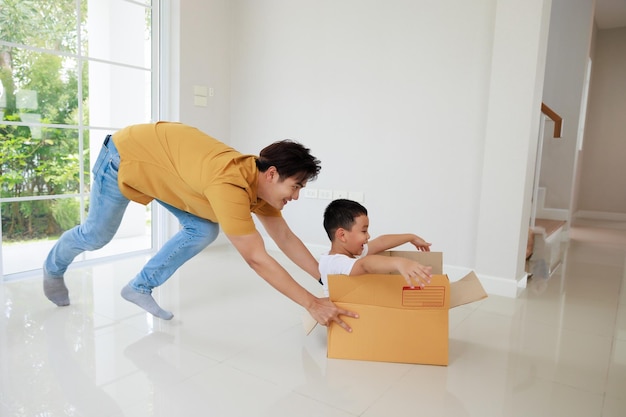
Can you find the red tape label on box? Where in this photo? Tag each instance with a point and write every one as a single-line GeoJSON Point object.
{"type": "Point", "coordinates": [429, 296]}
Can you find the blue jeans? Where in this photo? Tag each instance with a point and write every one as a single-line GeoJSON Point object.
{"type": "Point", "coordinates": [106, 210]}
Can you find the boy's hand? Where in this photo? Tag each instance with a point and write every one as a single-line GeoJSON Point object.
{"type": "Point", "coordinates": [415, 273]}
{"type": "Point", "coordinates": [325, 312]}
{"type": "Point", "coordinates": [420, 244]}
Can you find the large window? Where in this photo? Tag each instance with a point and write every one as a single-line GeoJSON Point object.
{"type": "Point", "coordinates": [71, 72]}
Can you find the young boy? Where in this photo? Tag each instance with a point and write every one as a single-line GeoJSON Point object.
{"type": "Point", "coordinates": [352, 253]}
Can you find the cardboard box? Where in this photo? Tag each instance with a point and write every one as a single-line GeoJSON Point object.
{"type": "Point", "coordinates": [398, 323]}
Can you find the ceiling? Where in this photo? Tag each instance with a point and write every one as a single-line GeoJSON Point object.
{"type": "Point", "coordinates": [610, 14]}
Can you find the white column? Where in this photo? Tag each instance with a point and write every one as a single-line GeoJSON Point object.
{"type": "Point", "coordinates": [517, 72]}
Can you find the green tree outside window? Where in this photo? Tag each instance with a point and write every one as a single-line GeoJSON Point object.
{"type": "Point", "coordinates": [44, 88]}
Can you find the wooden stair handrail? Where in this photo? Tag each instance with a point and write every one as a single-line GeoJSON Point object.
{"type": "Point", "coordinates": [558, 120]}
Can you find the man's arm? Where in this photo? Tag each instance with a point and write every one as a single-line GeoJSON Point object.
{"type": "Point", "coordinates": [413, 272]}
{"type": "Point", "coordinates": [252, 248]}
{"type": "Point", "coordinates": [385, 242]}
{"type": "Point", "coordinates": [290, 244]}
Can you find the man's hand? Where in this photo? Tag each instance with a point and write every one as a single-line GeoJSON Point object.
{"type": "Point", "coordinates": [325, 312]}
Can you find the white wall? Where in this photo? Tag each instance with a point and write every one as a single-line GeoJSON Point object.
{"type": "Point", "coordinates": [511, 136]}
{"type": "Point", "coordinates": [604, 146]}
{"type": "Point", "coordinates": [571, 26]}
{"type": "Point", "coordinates": [406, 101]}
{"type": "Point", "coordinates": [203, 53]}
{"type": "Point", "coordinates": [391, 96]}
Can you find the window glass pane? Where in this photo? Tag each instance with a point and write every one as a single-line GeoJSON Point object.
{"type": "Point", "coordinates": [71, 72]}
{"type": "Point", "coordinates": [118, 96]}
{"type": "Point", "coordinates": [29, 229]}
{"type": "Point", "coordinates": [42, 24]}
{"type": "Point", "coordinates": [119, 31]}
{"type": "Point", "coordinates": [39, 88]}
{"type": "Point", "coordinates": [134, 234]}
{"type": "Point", "coordinates": [37, 161]}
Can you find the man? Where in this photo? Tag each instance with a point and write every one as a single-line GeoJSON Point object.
{"type": "Point", "coordinates": [205, 184]}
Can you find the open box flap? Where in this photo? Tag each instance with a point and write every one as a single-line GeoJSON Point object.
{"type": "Point", "coordinates": [466, 290]}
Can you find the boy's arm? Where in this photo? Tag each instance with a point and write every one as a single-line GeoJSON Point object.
{"type": "Point", "coordinates": [385, 242]}
{"type": "Point", "coordinates": [413, 272]}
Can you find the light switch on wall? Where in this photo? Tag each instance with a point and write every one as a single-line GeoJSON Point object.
{"type": "Point", "coordinates": [200, 90]}
{"type": "Point", "coordinates": [325, 194]}
{"type": "Point", "coordinates": [200, 101]}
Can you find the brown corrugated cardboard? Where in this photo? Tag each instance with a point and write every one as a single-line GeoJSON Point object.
{"type": "Point", "coordinates": [432, 259]}
{"type": "Point", "coordinates": [398, 323]}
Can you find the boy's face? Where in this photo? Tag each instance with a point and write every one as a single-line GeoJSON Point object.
{"type": "Point", "coordinates": [357, 236]}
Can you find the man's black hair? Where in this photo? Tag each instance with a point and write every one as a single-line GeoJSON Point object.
{"type": "Point", "coordinates": [291, 159]}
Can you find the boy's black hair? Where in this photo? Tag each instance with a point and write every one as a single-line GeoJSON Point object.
{"type": "Point", "coordinates": [291, 159]}
{"type": "Point", "coordinates": [341, 214]}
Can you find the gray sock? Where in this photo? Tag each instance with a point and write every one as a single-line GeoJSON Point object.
{"type": "Point", "coordinates": [146, 302]}
{"type": "Point", "coordinates": [55, 289]}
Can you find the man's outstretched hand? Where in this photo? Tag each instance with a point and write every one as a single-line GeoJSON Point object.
{"type": "Point", "coordinates": [325, 312]}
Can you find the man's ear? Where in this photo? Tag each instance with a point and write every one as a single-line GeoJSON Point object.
{"type": "Point", "coordinates": [340, 234]}
{"type": "Point", "coordinates": [271, 173]}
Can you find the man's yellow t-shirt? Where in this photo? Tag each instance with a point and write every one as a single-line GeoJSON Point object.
{"type": "Point", "coordinates": [190, 170]}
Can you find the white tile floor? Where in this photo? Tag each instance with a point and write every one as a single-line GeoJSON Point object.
{"type": "Point", "coordinates": [236, 348]}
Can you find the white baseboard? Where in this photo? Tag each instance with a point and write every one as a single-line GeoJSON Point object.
{"type": "Point", "coordinates": [552, 214]}
{"type": "Point", "coordinates": [492, 285]}
{"type": "Point", "coordinates": [600, 215]}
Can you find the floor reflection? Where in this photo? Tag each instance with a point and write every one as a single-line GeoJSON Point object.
{"type": "Point", "coordinates": [237, 348]}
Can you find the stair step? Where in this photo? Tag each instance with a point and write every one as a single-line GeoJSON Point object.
{"type": "Point", "coordinates": [549, 226]}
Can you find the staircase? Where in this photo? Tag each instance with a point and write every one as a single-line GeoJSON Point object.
{"type": "Point", "coordinates": [549, 235]}
{"type": "Point", "coordinates": [550, 231]}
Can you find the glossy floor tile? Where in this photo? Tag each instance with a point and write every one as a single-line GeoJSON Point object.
{"type": "Point", "coordinates": [237, 348]}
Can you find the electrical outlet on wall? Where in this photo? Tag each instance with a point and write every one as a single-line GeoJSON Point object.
{"type": "Point", "coordinates": [325, 194]}
{"type": "Point", "coordinates": [339, 194]}
{"type": "Point", "coordinates": [310, 192]}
